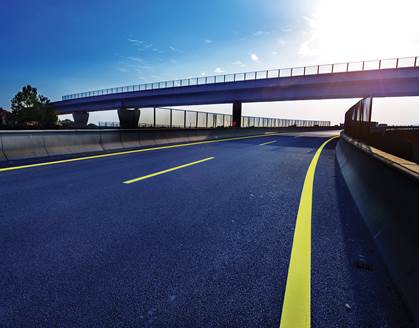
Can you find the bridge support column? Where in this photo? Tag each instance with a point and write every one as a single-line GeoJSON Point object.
{"type": "Point", "coordinates": [128, 119]}
{"type": "Point", "coordinates": [80, 119]}
{"type": "Point", "coordinates": [237, 114]}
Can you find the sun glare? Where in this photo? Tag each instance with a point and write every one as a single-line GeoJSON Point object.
{"type": "Point", "coordinates": [361, 29]}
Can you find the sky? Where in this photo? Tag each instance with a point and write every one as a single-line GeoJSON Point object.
{"type": "Point", "coordinates": [64, 47]}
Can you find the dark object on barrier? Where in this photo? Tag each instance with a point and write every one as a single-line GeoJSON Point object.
{"type": "Point", "coordinates": [358, 119]}
{"type": "Point", "coordinates": [362, 263]}
{"type": "Point", "coordinates": [401, 141]}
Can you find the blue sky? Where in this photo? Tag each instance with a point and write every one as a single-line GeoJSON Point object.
{"type": "Point", "coordinates": [63, 47]}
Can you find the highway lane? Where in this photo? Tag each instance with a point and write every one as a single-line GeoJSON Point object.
{"type": "Point", "coordinates": [207, 245]}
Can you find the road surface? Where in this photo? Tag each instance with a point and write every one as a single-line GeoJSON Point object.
{"type": "Point", "coordinates": [195, 236]}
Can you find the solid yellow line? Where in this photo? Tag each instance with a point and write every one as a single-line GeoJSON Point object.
{"type": "Point", "coordinates": [13, 168]}
{"type": "Point", "coordinates": [167, 171]}
{"type": "Point", "coordinates": [267, 143]}
{"type": "Point", "coordinates": [296, 308]}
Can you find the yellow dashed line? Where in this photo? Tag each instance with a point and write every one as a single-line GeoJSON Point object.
{"type": "Point", "coordinates": [167, 171]}
{"type": "Point", "coordinates": [267, 143]}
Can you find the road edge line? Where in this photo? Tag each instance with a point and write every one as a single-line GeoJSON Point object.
{"type": "Point", "coordinates": [296, 308]}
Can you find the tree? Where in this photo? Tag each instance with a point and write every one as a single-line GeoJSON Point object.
{"type": "Point", "coordinates": [31, 109]}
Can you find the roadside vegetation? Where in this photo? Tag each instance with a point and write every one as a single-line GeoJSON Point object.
{"type": "Point", "coordinates": [29, 110]}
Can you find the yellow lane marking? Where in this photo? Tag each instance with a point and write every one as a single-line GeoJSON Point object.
{"type": "Point", "coordinates": [267, 143]}
{"type": "Point", "coordinates": [296, 311]}
{"type": "Point", "coordinates": [167, 171]}
{"type": "Point", "coordinates": [13, 168]}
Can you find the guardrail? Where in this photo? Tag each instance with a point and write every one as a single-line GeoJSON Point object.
{"type": "Point", "coordinates": [164, 117]}
{"type": "Point", "coordinates": [401, 141]}
{"type": "Point", "coordinates": [359, 66]}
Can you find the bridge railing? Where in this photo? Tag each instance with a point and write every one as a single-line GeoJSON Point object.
{"type": "Point", "coordinates": [359, 66]}
{"type": "Point", "coordinates": [164, 117]}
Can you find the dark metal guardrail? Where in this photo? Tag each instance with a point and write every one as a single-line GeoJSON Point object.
{"type": "Point", "coordinates": [401, 141]}
{"type": "Point", "coordinates": [359, 66]}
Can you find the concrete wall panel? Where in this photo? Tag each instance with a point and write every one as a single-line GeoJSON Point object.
{"type": "Point", "coordinates": [387, 200]}
{"type": "Point", "coordinates": [72, 142]}
{"type": "Point", "coordinates": [111, 140]}
{"type": "Point", "coordinates": [2, 156]}
{"type": "Point", "coordinates": [130, 138]}
{"type": "Point", "coordinates": [23, 145]}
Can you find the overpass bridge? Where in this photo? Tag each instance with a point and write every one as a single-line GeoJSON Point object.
{"type": "Point", "coordinates": [379, 78]}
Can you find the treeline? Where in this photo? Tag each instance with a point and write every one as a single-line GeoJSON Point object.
{"type": "Point", "coordinates": [30, 110]}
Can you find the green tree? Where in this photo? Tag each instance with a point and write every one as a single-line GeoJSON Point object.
{"type": "Point", "coordinates": [31, 109]}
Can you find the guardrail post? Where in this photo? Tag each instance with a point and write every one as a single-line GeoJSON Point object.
{"type": "Point", "coordinates": [196, 120]}
{"type": "Point", "coordinates": [397, 63]}
{"type": "Point", "coordinates": [171, 122]}
{"type": "Point", "coordinates": [206, 120]}
{"type": "Point", "coordinates": [184, 119]}
{"type": "Point", "coordinates": [154, 117]}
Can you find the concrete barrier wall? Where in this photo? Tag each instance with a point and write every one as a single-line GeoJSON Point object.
{"type": "Point", "coordinates": [388, 201]}
{"type": "Point", "coordinates": [110, 141]}
{"type": "Point", "coordinates": [2, 156]}
{"type": "Point", "coordinates": [23, 145]}
{"type": "Point", "coordinates": [19, 145]}
{"type": "Point", "coordinates": [72, 143]}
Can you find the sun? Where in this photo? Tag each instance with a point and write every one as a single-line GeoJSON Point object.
{"type": "Point", "coordinates": [343, 30]}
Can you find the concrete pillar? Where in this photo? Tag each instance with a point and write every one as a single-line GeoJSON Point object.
{"type": "Point", "coordinates": [80, 119]}
{"type": "Point", "coordinates": [128, 118]}
{"type": "Point", "coordinates": [237, 114]}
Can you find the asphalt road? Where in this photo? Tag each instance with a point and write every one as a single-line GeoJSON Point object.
{"type": "Point", "coordinates": [206, 245]}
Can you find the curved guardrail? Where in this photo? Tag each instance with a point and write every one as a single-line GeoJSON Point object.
{"type": "Point", "coordinates": [358, 66]}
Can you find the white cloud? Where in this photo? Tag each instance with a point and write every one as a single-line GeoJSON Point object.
{"type": "Point", "coordinates": [140, 45]}
{"type": "Point", "coordinates": [218, 70]}
{"type": "Point", "coordinates": [260, 33]}
{"type": "Point", "coordinates": [176, 50]}
{"type": "Point", "coordinates": [203, 74]}
{"type": "Point", "coordinates": [134, 59]}
{"type": "Point", "coordinates": [237, 62]}
{"type": "Point", "coordinates": [282, 42]}
{"type": "Point", "coordinates": [208, 41]}
{"type": "Point", "coordinates": [254, 58]}
{"type": "Point", "coordinates": [286, 29]}
{"type": "Point", "coordinates": [274, 53]}
{"type": "Point", "coordinates": [135, 41]}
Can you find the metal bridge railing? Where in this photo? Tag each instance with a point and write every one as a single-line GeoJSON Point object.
{"type": "Point", "coordinates": [379, 64]}
{"type": "Point", "coordinates": [163, 117]}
